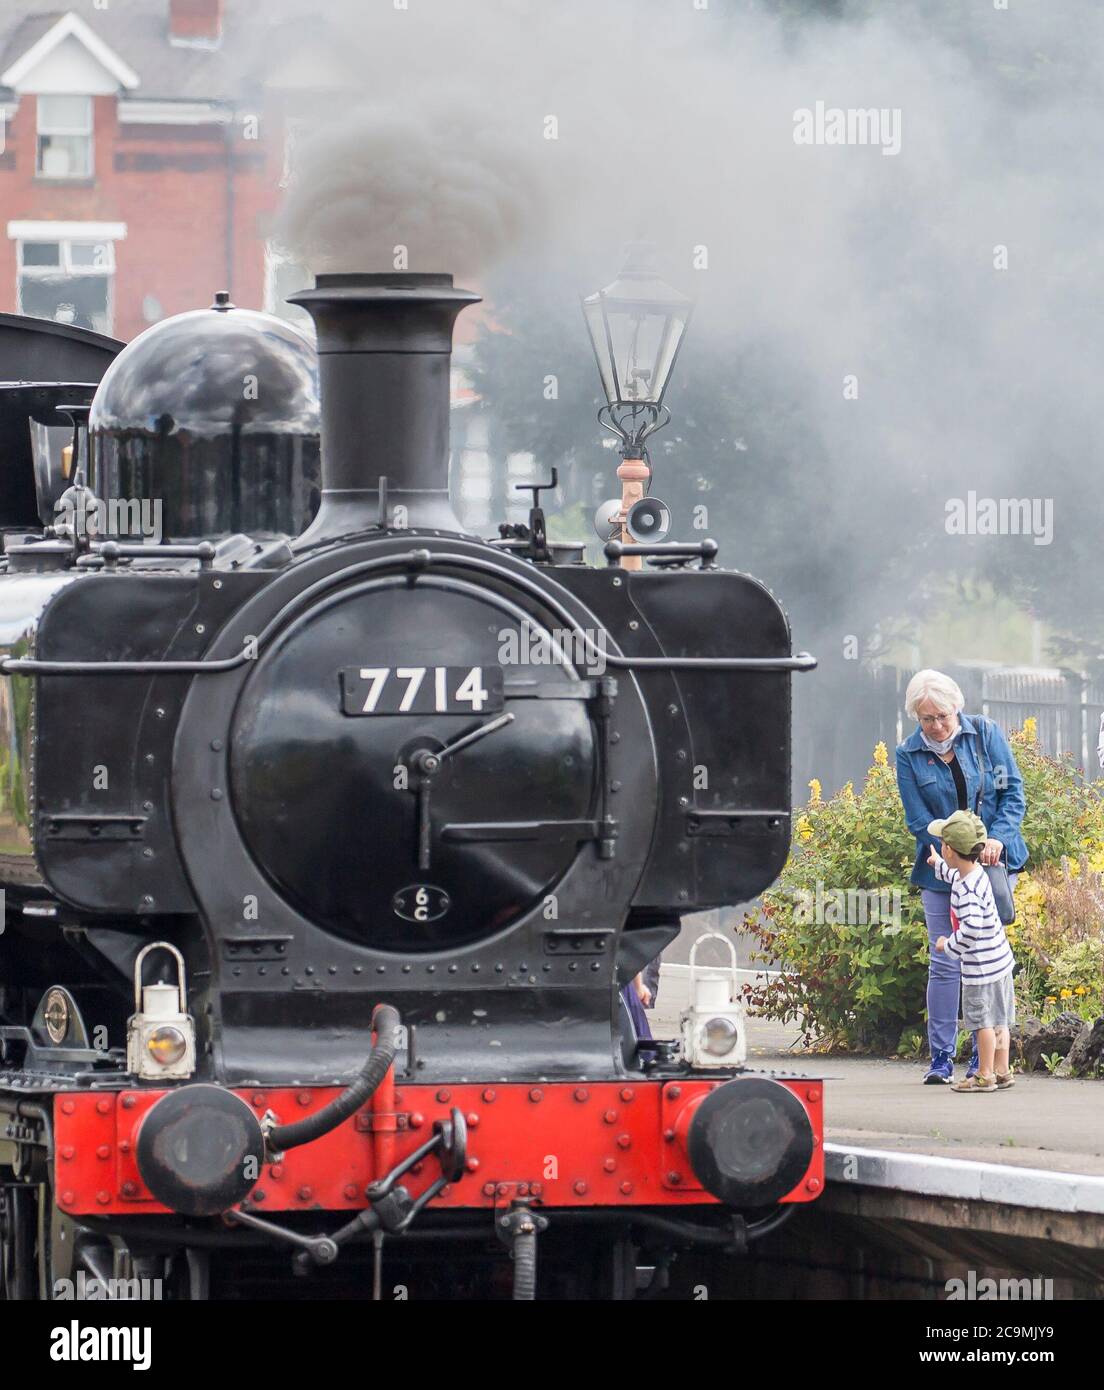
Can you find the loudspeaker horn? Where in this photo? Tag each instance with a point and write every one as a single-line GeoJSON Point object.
{"type": "Point", "coordinates": [605, 518]}
{"type": "Point", "coordinates": [648, 520]}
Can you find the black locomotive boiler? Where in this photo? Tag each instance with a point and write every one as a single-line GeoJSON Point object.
{"type": "Point", "coordinates": [320, 889]}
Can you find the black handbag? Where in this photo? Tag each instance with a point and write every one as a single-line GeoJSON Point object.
{"type": "Point", "coordinates": [998, 873]}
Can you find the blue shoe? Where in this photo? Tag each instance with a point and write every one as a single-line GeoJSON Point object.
{"type": "Point", "coordinates": [941, 1071]}
{"type": "Point", "coordinates": [972, 1069]}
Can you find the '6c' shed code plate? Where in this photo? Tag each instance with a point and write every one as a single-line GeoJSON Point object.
{"type": "Point", "coordinates": [421, 689]}
{"type": "Point", "coordinates": [421, 902]}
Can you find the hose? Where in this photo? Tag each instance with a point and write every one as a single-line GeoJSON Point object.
{"type": "Point", "coordinates": [525, 1266]}
{"type": "Point", "coordinates": [385, 1025]}
{"type": "Point", "coordinates": [758, 1229]}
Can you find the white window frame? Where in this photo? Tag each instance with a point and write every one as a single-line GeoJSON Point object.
{"type": "Point", "coordinates": [90, 134]}
{"type": "Point", "coordinates": [66, 267]}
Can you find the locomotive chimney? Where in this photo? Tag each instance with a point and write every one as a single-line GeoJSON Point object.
{"type": "Point", "coordinates": [384, 350]}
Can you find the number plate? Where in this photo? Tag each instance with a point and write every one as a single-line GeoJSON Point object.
{"type": "Point", "coordinates": [421, 902]}
{"type": "Point", "coordinates": [421, 689]}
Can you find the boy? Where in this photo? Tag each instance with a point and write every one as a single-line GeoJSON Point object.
{"type": "Point", "coordinates": [979, 942]}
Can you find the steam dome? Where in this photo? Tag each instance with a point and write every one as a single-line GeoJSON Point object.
{"type": "Point", "coordinates": [214, 414]}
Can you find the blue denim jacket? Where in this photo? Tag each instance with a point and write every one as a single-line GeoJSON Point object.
{"type": "Point", "coordinates": [927, 789]}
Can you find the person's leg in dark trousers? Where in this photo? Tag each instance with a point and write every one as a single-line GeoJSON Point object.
{"type": "Point", "coordinates": [944, 981]}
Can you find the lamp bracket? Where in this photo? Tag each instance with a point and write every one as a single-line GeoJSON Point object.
{"type": "Point", "coordinates": [633, 423]}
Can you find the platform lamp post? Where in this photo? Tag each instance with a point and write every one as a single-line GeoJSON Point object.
{"type": "Point", "coordinates": [636, 327]}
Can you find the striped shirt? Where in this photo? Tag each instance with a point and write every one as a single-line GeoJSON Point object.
{"type": "Point", "coordinates": [979, 943]}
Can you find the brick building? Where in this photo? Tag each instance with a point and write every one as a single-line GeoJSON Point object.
{"type": "Point", "coordinates": [143, 149]}
{"type": "Point", "coordinates": [140, 166]}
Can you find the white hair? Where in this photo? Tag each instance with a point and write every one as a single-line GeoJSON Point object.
{"type": "Point", "coordinates": [935, 686]}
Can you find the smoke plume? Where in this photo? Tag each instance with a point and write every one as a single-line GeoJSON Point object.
{"type": "Point", "coordinates": [954, 280]}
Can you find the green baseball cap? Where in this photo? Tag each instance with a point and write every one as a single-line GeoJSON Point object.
{"type": "Point", "coordinates": [963, 831]}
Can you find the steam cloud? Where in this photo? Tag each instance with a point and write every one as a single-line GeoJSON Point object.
{"type": "Point", "coordinates": [676, 123]}
{"type": "Point", "coordinates": [442, 181]}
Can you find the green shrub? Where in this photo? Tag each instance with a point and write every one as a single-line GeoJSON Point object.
{"type": "Point", "coordinates": [1065, 813]}
{"type": "Point", "coordinates": [1077, 971]}
{"type": "Point", "coordinates": [862, 985]}
{"type": "Point", "coordinates": [849, 983]}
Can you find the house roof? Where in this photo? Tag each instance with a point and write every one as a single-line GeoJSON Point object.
{"type": "Point", "coordinates": [137, 33]}
{"type": "Point", "coordinates": [57, 30]}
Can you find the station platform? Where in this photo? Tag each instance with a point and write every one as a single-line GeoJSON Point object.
{"type": "Point", "coordinates": [1042, 1123]}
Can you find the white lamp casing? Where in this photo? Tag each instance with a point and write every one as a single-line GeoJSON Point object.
{"type": "Point", "coordinates": [159, 1006]}
{"type": "Point", "coordinates": [714, 996]}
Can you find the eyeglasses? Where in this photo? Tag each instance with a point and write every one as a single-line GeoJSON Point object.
{"type": "Point", "coordinates": [930, 719]}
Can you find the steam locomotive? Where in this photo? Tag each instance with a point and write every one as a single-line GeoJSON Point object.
{"type": "Point", "coordinates": [317, 900]}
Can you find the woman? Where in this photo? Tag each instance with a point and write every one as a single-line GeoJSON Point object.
{"type": "Point", "coordinates": [939, 771]}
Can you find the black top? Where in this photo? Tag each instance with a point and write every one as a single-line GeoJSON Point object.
{"type": "Point", "coordinates": [960, 781]}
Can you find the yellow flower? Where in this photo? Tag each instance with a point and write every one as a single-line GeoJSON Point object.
{"type": "Point", "coordinates": [848, 792]}
{"type": "Point", "coordinates": [1030, 729]}
{"type": "Point", "coordinates": [814, 792]}
{"type": "Point", "coordinates": [804, 827]}
{"type": "Point", "coordinates": [1080, 990]}
{"type": "Point", "coordinates": [881, 755]}
{"type": "Point", "coordinates": [1051, 999]}
{"type": "Point", "coordinates": [1065, 994]}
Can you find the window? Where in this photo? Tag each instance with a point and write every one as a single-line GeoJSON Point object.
{"type": "Point", "coordinates": [64, 137]}
{"type": "Point", "coordinates": [68, 281]}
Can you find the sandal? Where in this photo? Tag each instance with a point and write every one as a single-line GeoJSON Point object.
{"type": "Point", "coordinates": [976, 1083]}
{"type": "Point", "coordinates": [1004, 1080]}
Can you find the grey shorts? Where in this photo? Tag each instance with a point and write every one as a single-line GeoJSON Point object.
{"type": "Point", "coordinates": [989, 1006]}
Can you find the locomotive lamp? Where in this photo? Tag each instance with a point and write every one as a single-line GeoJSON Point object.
{"type": "Point", "coordinates": [714, 1029]}
{"type": "Point", "coordinates": [636, 327]}
{"type": "Point", "coordinates": [160, 1033]}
